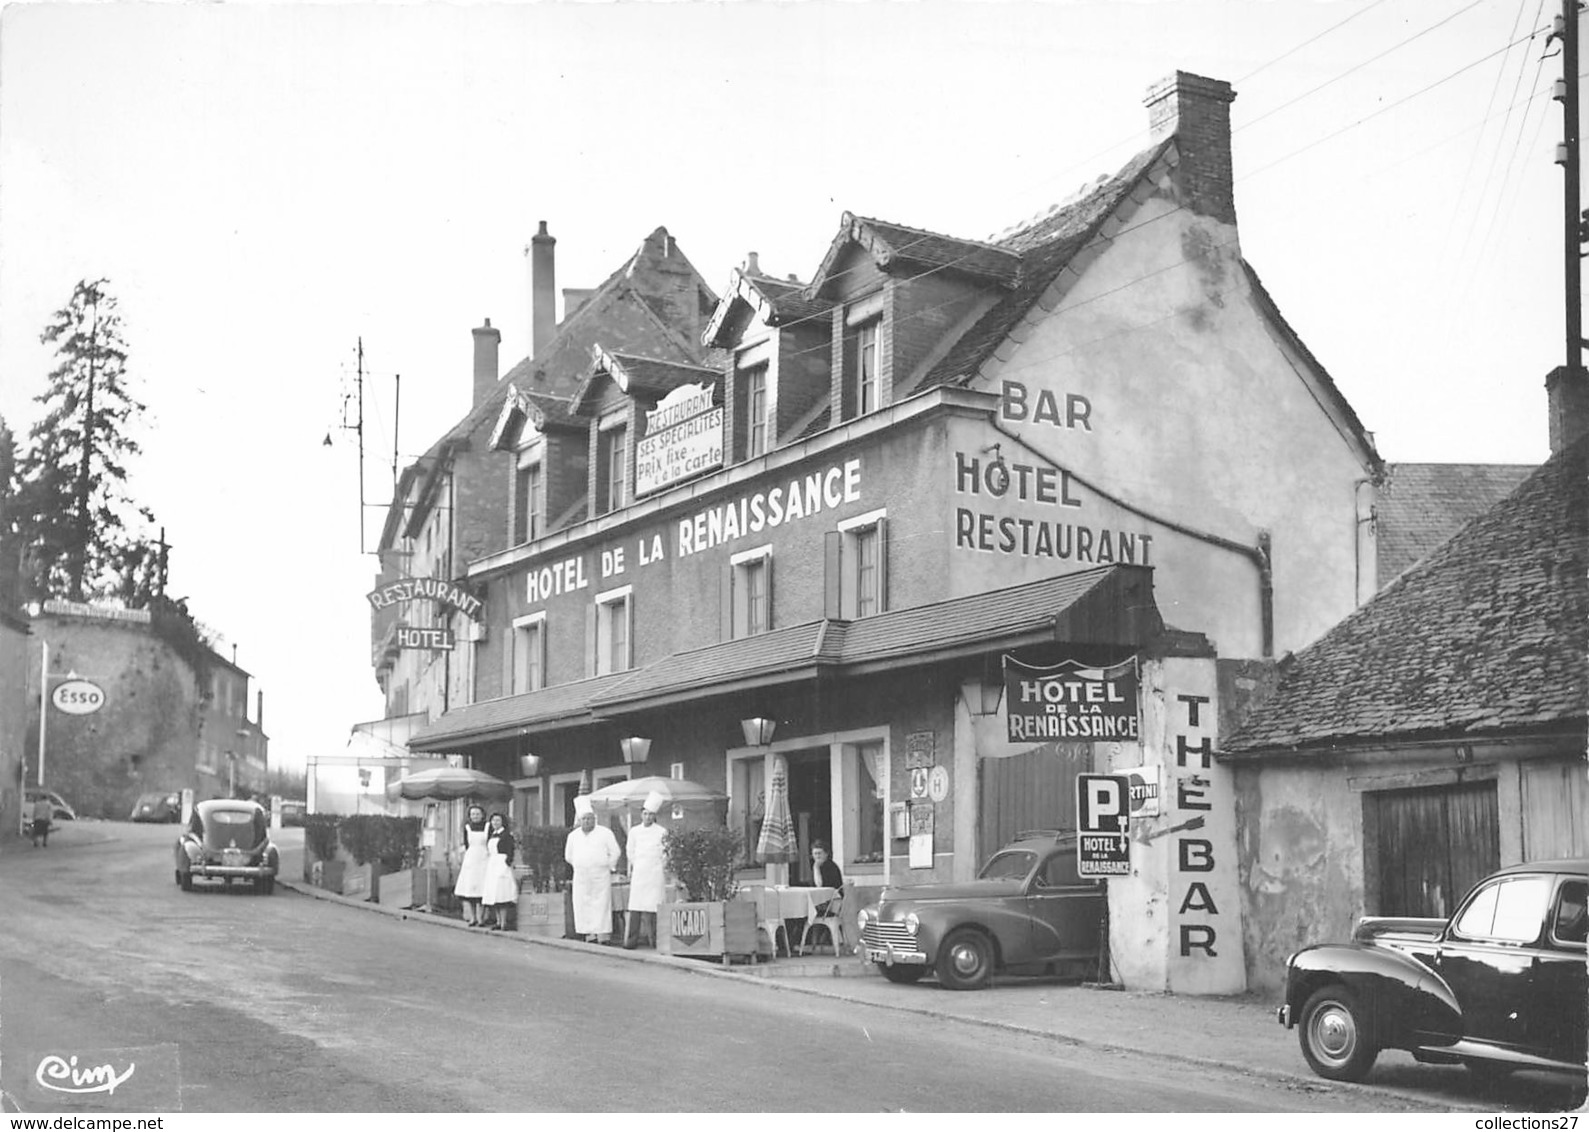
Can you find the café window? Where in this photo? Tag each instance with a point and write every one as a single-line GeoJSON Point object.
{"type": "Point", "coordinates": [749, 805]}
{"type": "Point", "coordinates": [528, 660]}
{"type": "Point", "coordinates": [527, 497]}
{"type": "Point", "coordinates": [865, 773]}
{"type": "Point", "coordinates": [856, 567]}
{"type": "Point", "coordinates": [614, 616]}
{"type": "Point", "coordinates": [749, 592]}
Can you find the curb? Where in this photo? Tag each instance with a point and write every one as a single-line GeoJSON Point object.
{"type": "Point", "coordinates": [801, 986]}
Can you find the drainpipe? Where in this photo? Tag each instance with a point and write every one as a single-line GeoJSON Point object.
{"type": "Point", "coordinates": [1260, 556]}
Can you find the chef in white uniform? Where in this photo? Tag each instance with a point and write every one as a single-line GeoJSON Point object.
{"type": "Point", "coordinates": [646, 866]}
{"type": "Point", "coordinates": [593, 852]}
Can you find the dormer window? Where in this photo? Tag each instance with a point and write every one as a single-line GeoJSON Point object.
{"type": "Point", "coordinates": [863, 357]}
{"type": "Point", "coordinates": [527, 513]}
{"type": "Point", "coordinates": [866, 342]}
{"type": "Point", "coordinates": [612, 468]}
{"type": "Point", "coordinates": [756, 412]}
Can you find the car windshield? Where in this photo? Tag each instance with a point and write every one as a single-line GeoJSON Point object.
{"type": "Point", "coordinates": [1011, 864]}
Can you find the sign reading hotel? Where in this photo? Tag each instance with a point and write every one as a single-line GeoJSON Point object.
{"type": "Point", "coordinates": [432, 589]}
{"type": "Point", "coordinates": [1067, 701]}
{"type": "Point", "coordinates": [683, 437]}
{"type": "Point", "coordinates": [410, 637]}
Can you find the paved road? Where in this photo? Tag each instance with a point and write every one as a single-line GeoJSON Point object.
{"type": "Point", "coordinates": [237, 1002]}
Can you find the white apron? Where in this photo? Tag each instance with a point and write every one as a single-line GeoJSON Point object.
{"type": "Point", "coordinates": [500, 885]}
{"type": "Point", "coordinates": [646, 864]}
{"type": "Point", "coordinates": [472, 869]}
{"type": "Point", "coordinates": [593, 856]}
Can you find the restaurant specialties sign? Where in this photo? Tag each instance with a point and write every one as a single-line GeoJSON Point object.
{"type": "Point", "coordinates": [1069, 701]}
{"type": "Point", "coordinates": [683, 437]}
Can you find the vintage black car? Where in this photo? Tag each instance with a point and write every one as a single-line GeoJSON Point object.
{"type": "Point", "coordinates": [1498, 987]}
{"type": "Point", "coordinates": [1027, 910]}
{"type": "Point", "coordinates": [228, 840]}
{"type": "Point", "coordinates": [158, 806]}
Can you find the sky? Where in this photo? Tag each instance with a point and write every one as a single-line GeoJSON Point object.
{"type": "Point", "coordinates": [267, 185]}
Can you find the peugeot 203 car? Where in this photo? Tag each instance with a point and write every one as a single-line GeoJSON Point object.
{"type": "Point", "coordinates": [228, 840]}
{"type": "Point", "coordinates": [1500, 986]}
{"type": "Point", "coordinates": [1027, 909]}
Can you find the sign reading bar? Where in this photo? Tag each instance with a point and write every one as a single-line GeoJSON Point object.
{"type": "Point", "coordinates": [433, 589]}
{"type": "Point", "coordinates": [1103, 819]}
{"type": "Point", "coordinates": [1067, 701]}
{"type": "Point", "coordinates": [409, 637]}
{"type": "Point", "coordinates": [683, 437]}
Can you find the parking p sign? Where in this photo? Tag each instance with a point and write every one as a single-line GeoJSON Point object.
{"type": "Point", "coordinates": [1103, 818]}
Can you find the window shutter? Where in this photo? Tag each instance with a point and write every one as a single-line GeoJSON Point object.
{"type": "Point", "coordinates": [832, 574]}
{"type": "Point", "coordinates": [591, 643]}
{"type": "Point", "coordinates": [766, 584]}
{"type": "Point", "coordinates": [540, 643]}
{"type": "Point", "coordinates": [507, 662]}
{"type": "Point", "coordinates": [725, 602]}
{"type": "Point", "coordinates": [629, 641]}
{"type": "Point", "coordinates": [882, 565]}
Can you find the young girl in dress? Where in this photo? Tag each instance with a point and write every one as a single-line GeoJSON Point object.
{"type": "Point", "coordinates": [472, 870]}
{"type": "Point", "coordinates": [501, 888]}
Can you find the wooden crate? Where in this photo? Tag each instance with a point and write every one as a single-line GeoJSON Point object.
{"type": "Point", "coordinates": [723, 928]}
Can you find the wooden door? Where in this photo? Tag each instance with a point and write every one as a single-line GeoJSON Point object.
{"type": "Point", "coordinates": [1433, 845]}
{"type": "Point", "coordinates": [1034, 790]}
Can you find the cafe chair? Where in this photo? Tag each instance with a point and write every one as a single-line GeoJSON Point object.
{"type": "Point", "coordinates": [770, 922]}
{"type": "Point", "coordinates": [831, 920]}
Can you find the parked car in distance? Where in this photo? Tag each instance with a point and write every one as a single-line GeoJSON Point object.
{"type": "Point", "coordinates": [1499, 986]}
{"type": "Point", "coordinates": [158, 806]}
{"type": "Point", "coordinates": [1027, 909]}
{"type": "Point", "coordinates": [293, 811]}
{"type": "Point", "coordinates": [60, 810]}
{"type": "Point", "coordinates": [228, 839]}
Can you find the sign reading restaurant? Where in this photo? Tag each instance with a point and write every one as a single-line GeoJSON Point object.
{"type": "Point", "coordinates": [433, 589]}
{"type": "Point", "coordinates": [1067, 701]}
{"type": "Point", "coordinates": [683, 437]}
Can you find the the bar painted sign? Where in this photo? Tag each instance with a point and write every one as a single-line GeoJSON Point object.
{"type": "Point", "coordinates": [683, 437]}
{"type": "Point", "coordinates": [432, 589]}
{"type": "Point", "coordinates": [1068, 701]}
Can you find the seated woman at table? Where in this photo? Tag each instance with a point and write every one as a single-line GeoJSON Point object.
{"type": "Point", "coordinates": [825, 874]}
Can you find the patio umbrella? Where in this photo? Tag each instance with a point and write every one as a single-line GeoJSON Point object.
{"type": "Point", "coordinates": [449, 783]}
{"type": "Point", "coordinates": [633, 791]}
{"type": "Point", "coordinates": [776, 845]}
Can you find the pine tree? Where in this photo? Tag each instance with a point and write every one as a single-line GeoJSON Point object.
{"type": "Point", "coordinates": [72, 508]}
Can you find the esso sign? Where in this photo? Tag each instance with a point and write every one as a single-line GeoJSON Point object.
{"type": "Point", "coordinates": [78, 697]}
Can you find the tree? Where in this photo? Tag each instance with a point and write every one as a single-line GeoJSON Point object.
{"type": "Point", "coordinates": [73, 510]}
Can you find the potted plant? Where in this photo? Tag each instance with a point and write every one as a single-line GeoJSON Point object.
{"type": "Point", "coordinates": [708, 921]}
{"type": "Point", "coordinates": [540, 852]}
{"type": "Point", "coordinates": [321, 866]}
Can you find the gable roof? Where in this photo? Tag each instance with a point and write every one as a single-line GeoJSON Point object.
{"type": "Point", "coordinates": [1488, 635]}
{"type": "Point", "coordinates": [894, 246]}
{"type": "Point", "coordinates": [777, 302]}
{"type": "Point", "coordinates": [539, 410]}
{"type": "Point", "coordinates": [1422, 505]}
{"type": "Point", "coordinates": [637, 375]}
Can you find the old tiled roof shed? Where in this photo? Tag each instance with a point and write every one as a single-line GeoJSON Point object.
{"type": "Point", "coordinates": [1422, 505]}
{"type": "Point", "coordinates": [1487, 636]}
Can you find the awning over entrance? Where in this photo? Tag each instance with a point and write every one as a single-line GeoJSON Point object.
{"type": "Point", "coordinates": [1111, 605]}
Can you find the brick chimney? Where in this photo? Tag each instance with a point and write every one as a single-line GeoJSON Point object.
{"type": "Point", "coordinates": [1568, 393]}
{"type": "Point", "coordinates": [1196, 111]}
{"type": "Point", "coordinates": [543, 290]}
{"type": "Point", "coordinates": [486, 339]}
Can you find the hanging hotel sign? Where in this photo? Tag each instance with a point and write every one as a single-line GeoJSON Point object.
{"type": "Point", "coordinates": [1068, 701]}
{"type": "Point", "coordinates": [410, 637]}
{"type": "Point", "coordinates": [429, 589]}
{"type": "Point", "coordinates": [683, 437]}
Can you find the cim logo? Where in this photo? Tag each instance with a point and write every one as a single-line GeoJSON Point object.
{"type": "Point", "coordinates": [78, 697]}
{"type": "Point", "coordinates": [689, 925]}
{"type": "Point", "coordinates": [60, 1075]}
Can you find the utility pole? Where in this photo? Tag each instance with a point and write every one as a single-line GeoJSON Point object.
{"type": "Point", "coordinates": [359, 427]}
{"type": "Point", "coordinates": [1567, 156]}
{"type": "Point", "coordinates": [84, 522]}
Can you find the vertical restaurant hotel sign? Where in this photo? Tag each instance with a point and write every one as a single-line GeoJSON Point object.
{"type": "Point", "coordinates": [683, 437]}
{"type": "Point", "coordinates": [1069, 701]}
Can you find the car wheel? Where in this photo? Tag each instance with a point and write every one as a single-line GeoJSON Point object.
{"type": "Point", "coordinates": [186, 881]}
{"type": "Point", "coordinates": [1337, 1036]}
{"type": "Point", "coordinates": [903, 972]}
{"type": "Point", "coordinates": [965, 960]}
{"type": "Point", "coordinates": [179, 877]}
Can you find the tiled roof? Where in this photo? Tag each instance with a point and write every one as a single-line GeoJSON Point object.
{"type": "Point", "coordinates": [652, 375]}
{"type": "Point", "coordinates": [561, 705]}
{"type": "Point", "coordinates": [788, 299]}
{"type": "Point", "coordinates": [1045, 246]}
{"type": "Point", "coordinates": [1487, 635]}
{"type": "Point", "coordinates": [1105, 605]}
{"type": "Point", "coordinates": [892, 243]}
{"type": "Point", "coordinates": [1422, 505]}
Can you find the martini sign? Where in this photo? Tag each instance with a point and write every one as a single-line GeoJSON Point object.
{"type": "Point", "coordinates": [1070, 701]}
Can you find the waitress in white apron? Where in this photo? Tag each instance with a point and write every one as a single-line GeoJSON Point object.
{"type": "Point", "coordinates": [501, 887]}
{"type": "Point", "coordinates": [471, 884]}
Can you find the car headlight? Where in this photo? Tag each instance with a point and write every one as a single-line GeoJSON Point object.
{"type": "Point", "coordinates": [912, 922]}
{"type": "Point", "coordinates": [864, 918]}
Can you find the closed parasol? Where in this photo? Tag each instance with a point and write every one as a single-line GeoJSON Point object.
{"type": "Point", "coordinates": [447, 783]}
{"type": "Point", "coordinates": [633, 792]}
{"type": "Point", "coordinates": [776, 845]}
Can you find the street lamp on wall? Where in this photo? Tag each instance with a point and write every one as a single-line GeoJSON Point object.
{"type": "Point", "coordinates": [635, 749]}
{"type": "Point", "coordinates": [758, 731]}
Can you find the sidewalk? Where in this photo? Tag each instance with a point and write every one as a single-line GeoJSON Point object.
{"type": "Point", "coordinates": [1234, 1034]}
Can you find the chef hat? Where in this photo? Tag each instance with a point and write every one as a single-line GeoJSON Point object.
{"type": "Point", "coordinates": [582, 806]}
{"type": "Point", "coordinates": [655, 800]}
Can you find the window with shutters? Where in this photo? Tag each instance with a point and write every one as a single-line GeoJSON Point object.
{"type": "Point", "coordinates": [750, 592]}
{"type": "Point", "coordinates": [528, 662]}
{"type": "Point", "coordinates": [857, 567]}
{"type": "Point", "coordinates": [614, 625]}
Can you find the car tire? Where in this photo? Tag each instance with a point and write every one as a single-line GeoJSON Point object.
{"type": "Point", "coordinates": [179, 877]}
{"type": "Point", "coordinates": [186, 881]}
{"type": "Point", "coordinates": [965, 960]}
{"type": "Point", "coordinates": [903, 972]}
{"type": "Point", "coordinates": [1337, 1035]}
